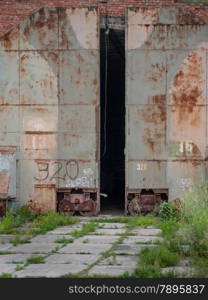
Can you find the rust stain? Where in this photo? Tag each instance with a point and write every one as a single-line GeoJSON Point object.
{"type": "Point", "coordinates": [187, 88]}
{"type": "Point", "coordinates": [157, 70]}
{"type": "Point", "coordinates": [10, 37]}
{"type": "Point", "coordinates": [152, 137]}
{"type": "Point", "coordinates": [44, 198]}
{"type": "Point", "coordinates": [153, 114]}
{"type": "Point", "coordinates": [159, 99]}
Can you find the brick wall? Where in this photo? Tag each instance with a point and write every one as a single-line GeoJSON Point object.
{"type": "Point", "coordinates": [12, 12]}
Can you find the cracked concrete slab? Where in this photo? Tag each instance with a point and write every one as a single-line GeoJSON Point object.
{"type": "Point", "coordinates": [97, 239]}
{"type": "Point", "coordinates": [112, 225]}
{"type": "Point", "coordinates": [7, 268]}
{"type": "Point", "coordinates": [130, 249]}
{"type": "Point", "coordinates": [147, 231]}
{"type": "Point", "coordinates": [84, 259]}
{"type": "Point", "coordinates": [181, 271]}
{"type": "Point", "coordinates": [105, 231]}
{"type": "Point", "coordinates": [81, 248]}
{"type": "Point", "coordinates": [5, 238]}
{"type": "Point", "coordinates": [65, 230]}
{"type": "Point", "coordinates": [5, 247]}
{"type": "Point", "coordinates": [120, 260]}
{"type": "Point", "coordinates": [111, 271]}
{"type": "Point", "coordinates": [143, 239]}
{"type": "Point", "coordinates": [33, 248]}
{"type": "Point", "coordinates": [49, 270]}
{"type": "Point", "coordinates": [49, 238]}
{"type": "Point", "coordinates": [17, 258]}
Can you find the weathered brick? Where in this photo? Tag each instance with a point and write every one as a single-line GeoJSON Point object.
{"type": "Point", "coordinates": [13, 11]}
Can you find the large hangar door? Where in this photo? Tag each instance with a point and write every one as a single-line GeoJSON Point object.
{"type": "Point", "coordinates": [166, 119]}
{"type": "Point", "coordinates": [79, 109]}
{"type": "Point", "coordinates": [53, 104]}
{"type": "Point", "coordinates": [145, 110]}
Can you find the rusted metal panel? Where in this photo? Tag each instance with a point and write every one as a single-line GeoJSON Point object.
{"type": "Point", "coordinates": [182, 37]}
{"type": "Point", "coordinates": [44, 199]}
{"type": "Point", "coordinates": [78, 174]}
{"type": "Point", "coordinates": [9, 118]}
{"type": "Point", "coordinates": [39, 118]}
{"type": "Point", "coordinates": [79, 77]}
{"type": "Point", "coordinates": [146, 174]}
{"type": "Point", "coordinates": [59, 97]}
{"type": "Point", "coordinates": [142, 16]}
{"type": "Point", "coordinates": [181, 175]}
{"type": "Point", "coordinates": [166, 91]}
{"type": "Point", "coordinates": [9, 77]}
{"type": "Point", "coordinates": [8, 171]}
{"type": "Point", "coordinates": [40, 31]}
{"type": "Point", "coordinates": [4, 183]}
{"type": "Point", "coordinates": [34, 172]}
{"type": "Point", "coordinates": [187, 132]}
{"type": "Point", "coordinates": [146, 37]}
{"type": "Point", "coordinates": [78, 28]}
{"type": "Point", "coordinates": [171, 15]}
{"type": "Point", "coordinates": [39, 145]}
{"type": "Point", "coordinates": [71, 173]}
{"type": "Point", "coordinates": [10, 41]}
{"type": "Point", "coordinates": [7, 138]}
{"type": "Point", "coordinates": [39, 77]}
{"type": "Point", "coordinates": [147, 132]}
{"type": "Point", "coordinates": [162, 28]}
{"type": "Point", "coordinates": [147, 82]}
{"type": "Point", "coordinates": [186, 77]}
{"type": "Point", "coordinates": [77, 118]}
{"type": "Point", "coordinates": [80, 146]}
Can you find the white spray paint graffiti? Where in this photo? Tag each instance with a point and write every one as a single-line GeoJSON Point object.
{"type": "Point", "coordinates": [8, 164]}
{"type": "Point", "coordinates": [85, 181]}
{"type": "Point", "coordinates": [185, 183]}
{"type": "Point", "coordinates": [141, 167]}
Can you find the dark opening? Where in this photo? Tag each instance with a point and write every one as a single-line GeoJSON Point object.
{"type": "Point", "coordinates": [112, 169]}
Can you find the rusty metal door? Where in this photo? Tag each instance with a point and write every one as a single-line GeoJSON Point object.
{"type": "Point", "coordinates": [79, 110]}
{"type": "Point", "coordinates": [49, 100]}
{"type": "Point", "coordinates": [165, 104]}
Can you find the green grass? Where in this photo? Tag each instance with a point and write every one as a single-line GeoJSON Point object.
{"type": "Point", "coordinates": [16, 262]}
{"type": "Point", "coordinates": [159, 256]}
{"type": "Point", "coordinates": [35, 260]}
{"type": "Point", "coordinates": [142, 221]}
{"type": "Point", "coordinates": [64, 240]}
{"type": "Point", "coordinates": [112, 260]}
{"type": "Point", "coordinates": [150, 262]}
{"type": "Point", "coordinates": [85, 241]}
{"type": "Point", "coordinates": [6, 275]}
{"type": "Point", "coordinates": [50, 221]}
{"type": "Point", "coordinates": [111, 220]}
{"type": "Point", "coordinates": [86, 228]}
{"type": "Point", "coordinates": [13, 220]}
{"type": "Point", "coordinates": [5, 253]}
{"type": "Point", "coordinates": [18, 240]}
{"type": "Point", "coordinates": [19, 268]}
{"type": "Point", "coordinates": [148, 272]}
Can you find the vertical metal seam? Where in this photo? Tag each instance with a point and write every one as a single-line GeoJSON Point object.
{"type": "Point", "coordinates": [167, 114]}
{"type": "Point", "coordinates": [98, 134]}
{"type": "Point", "coordinates": [126, 109]}
{"type": "Point", "coordinates": [19, 147]}
{"type": "Point", "coordinates": [58, 83]}
{"type": "Point", "coordinates": [206, 119]}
